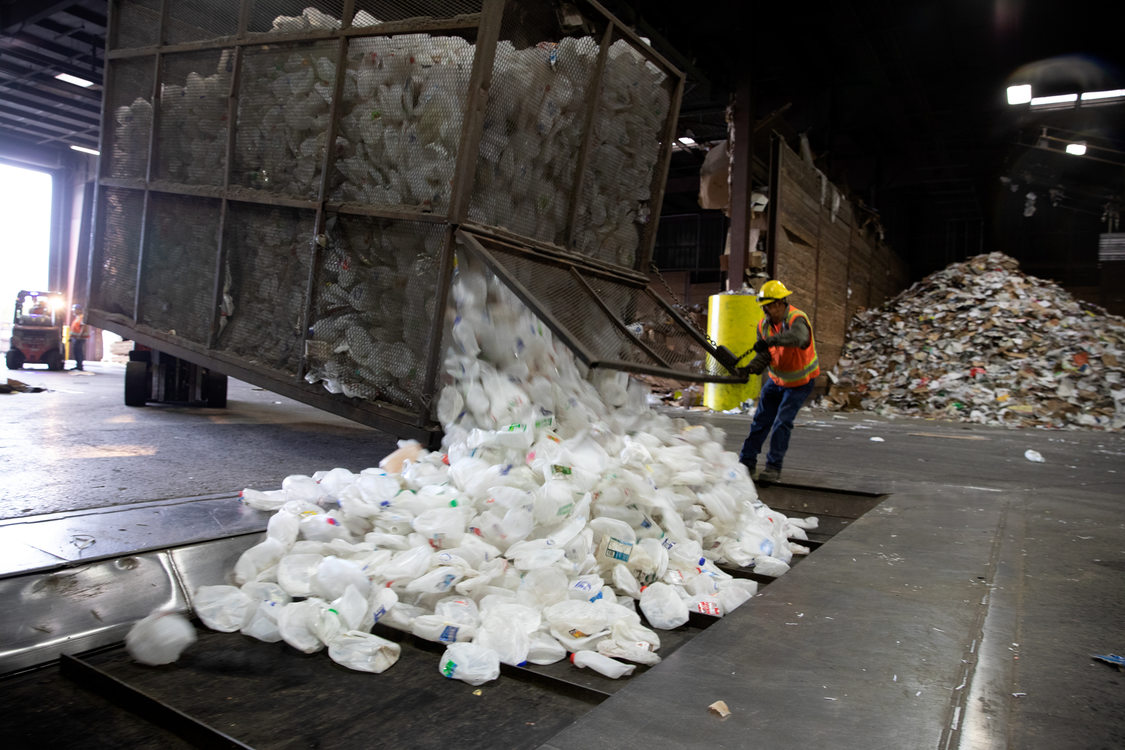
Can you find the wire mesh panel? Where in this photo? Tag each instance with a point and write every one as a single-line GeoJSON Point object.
{"type": "Point", "coordinates": [114, 274]}
{"type": "Point", "coordinates": [608, 320]}
{"type": "Point", "coordinates": [401, 118]}
{"type": "Point", "coordinates": [196, 20]}
{"type": "Point", "coordinates": [373, 12]}
{"type": "Point", "coordinates": [533, 124]}
{"type": "Point", "coordinates": [128, 130]}
{"type": "Point", "coordinates": [178, 274]}
{"type": "Point", "coordinates": [564, 298]}
{"type": "Point", "coordinates": [269, 251]}
{"type": "Point", "coordinates": [294, 16]}
{"type": "Point", "coordinates": [297, 16]}
{"type": "Point", "coordinates": [137, 24]}
{"type": "Point", "coordinates": [284, 96]}
{"type": "Point", "coordinates": [652, 324]}
{"type": "Point", "coordinates": [614, 202]}
{"type": "Point", "coordinates": [373, 308]}
{"type": "Point", "coordinates": [560, 293]}
{"type": "Point", "coordinates": [192, 122]}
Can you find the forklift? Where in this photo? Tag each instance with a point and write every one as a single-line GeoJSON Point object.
{"type": "Point", "coordinates": [37, 330]}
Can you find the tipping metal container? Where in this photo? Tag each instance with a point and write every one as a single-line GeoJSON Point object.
{"type": "Point", "coordinates": [284, 186]}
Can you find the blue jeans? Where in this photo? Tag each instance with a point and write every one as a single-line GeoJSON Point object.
{"type": "Point", "coordinates": [777, 408]}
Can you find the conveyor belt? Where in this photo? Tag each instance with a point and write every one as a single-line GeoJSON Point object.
{"type": "Point", "coordinates": [228, 690]}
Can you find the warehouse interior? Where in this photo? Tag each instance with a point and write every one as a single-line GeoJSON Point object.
{"type": "Point", "coordinates": [963, 588]}
{"type": "Point", "coordinates": [903, 105]}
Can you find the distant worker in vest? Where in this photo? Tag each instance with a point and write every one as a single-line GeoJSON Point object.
{"type": "Point", "coordinates": [79, 332]}
{"type": "Point", "coordinates": [785, 345]}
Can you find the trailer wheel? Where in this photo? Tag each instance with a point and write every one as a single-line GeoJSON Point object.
{"type": "Point", "coordinates": [14, 359]}
{"type": "Point", "coordinates": [215, 389]}
{"type": "Point", "coordinates": [136, 383]}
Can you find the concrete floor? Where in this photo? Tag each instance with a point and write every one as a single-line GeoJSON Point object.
{"type": "Point", "coordinates": [963, 611]}
{"type": "Point", "coordinates": [77, 446]}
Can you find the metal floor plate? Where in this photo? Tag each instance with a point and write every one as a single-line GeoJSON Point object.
{"type": "Point", "coordinates": [37, 543]}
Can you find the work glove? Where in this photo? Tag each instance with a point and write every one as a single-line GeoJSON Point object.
{"type": "Point", "coordinates": [761, 346]}
{"type": "Point", "coordinates": [756, 367]}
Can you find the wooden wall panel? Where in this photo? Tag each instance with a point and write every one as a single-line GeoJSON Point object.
{"type": "Point", "coordinates": [830, 320]}
{"type": "Point", "coordinates": [834, 268]}
{"type": "Point", "coordinates": [860, 263]}
{"type": "Point", "coordinates": [798, 229]}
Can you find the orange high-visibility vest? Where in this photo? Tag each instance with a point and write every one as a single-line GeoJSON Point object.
{"type": "Point", "coordinates": [790, 366]}
{"type": "Point", "coordinates": [79, 329]}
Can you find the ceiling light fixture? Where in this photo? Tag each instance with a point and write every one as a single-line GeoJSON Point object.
{"type": "Point", "coordinates": [68, 78]}
{"type": "Point", "coordinates": [1040, 101]}
{"type": "Point", "coordinates": [1019, 94]}
{"type": "Point", "coordinates": [1078, 149]}
{"type": "Point", "coordinates": [1100, 95]}
{"type": "Point", "coordinates": [687, 142]}
{"type": "Point", "coordinates": [85, 150]}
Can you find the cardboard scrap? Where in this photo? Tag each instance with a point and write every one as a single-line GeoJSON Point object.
{"type": "Point", "coordinates": [720, 708]}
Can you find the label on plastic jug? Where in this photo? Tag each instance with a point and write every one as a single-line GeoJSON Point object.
{"type": "Point", "coordinates": [615, 549]}
{"type": "Point", "coordinates": [709, 608]}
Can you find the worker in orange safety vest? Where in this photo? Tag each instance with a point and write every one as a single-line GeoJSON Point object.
{"type": "Point", "coordinates": [79, 332]}
{"type": "Point", "coordinates": [785, 345]}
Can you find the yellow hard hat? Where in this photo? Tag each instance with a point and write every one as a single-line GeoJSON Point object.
{"type": "Point", "coordinates": [772, 291]}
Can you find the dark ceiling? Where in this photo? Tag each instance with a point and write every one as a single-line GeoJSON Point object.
{"type": "Point", "coordinates": [38, 40]}
{"type": "Point", "coordinates": [903, 105]}
{"type": "Point", "coordinates": [902, 101]}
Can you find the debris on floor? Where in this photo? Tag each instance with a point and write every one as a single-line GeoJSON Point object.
{"type": "Point", "coordinates": [982, 342]}
{"type": "Point", "coordinates": [674, 393]}
{"type": "Point", "coordinates": [720, 708]}
{"type": "Point", "coordinates": [1111, 659]}
{"type": "Point", "coordinates": [16, 386]}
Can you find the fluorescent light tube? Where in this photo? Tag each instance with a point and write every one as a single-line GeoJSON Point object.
{"type": "Point", "coordinates": [68, 78]}
{"type": "Point", "coordinates": [1060, 99]}
{"type": "Point", "coordinates": [1094, 95]}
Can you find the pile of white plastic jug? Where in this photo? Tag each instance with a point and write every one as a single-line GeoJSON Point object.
{"type": "Point", "coordinates": [562, 516]}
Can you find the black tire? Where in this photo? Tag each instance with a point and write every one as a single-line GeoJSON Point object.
{"type": "Point", "coordinates": [136, 383]}
{"type": "Point", "coordinates": [215, 390]}
{"type": "Point", "coordinates": [14, 359]}
{"type": "Point", "coordinates": [53, 360]}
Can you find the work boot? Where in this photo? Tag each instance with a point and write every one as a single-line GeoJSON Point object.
{"type": "Point", "coordinates": [769, 474]}
{"type": "Point", "coordinates": [752, 468]}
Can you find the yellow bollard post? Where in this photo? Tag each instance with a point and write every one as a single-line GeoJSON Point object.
{"type": "Point", "coordinates": [732, 321]}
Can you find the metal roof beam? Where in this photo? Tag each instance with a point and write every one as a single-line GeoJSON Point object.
{"type": "Point", "coordinates": [18, 14]}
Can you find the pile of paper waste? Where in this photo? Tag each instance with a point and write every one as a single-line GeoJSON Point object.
{"type": "Point", "coordinates": [559, 509]}
{"type": "Point", "coordinates": [982, 342]}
